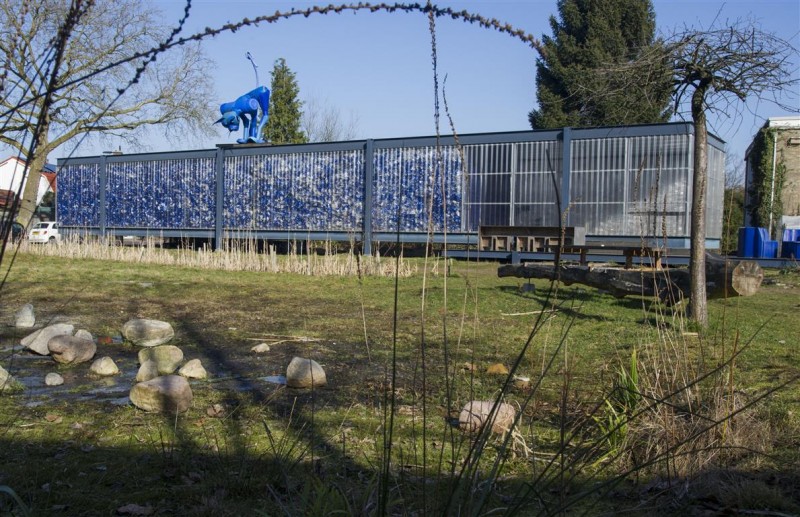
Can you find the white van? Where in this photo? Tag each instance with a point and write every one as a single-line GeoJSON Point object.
{"type": "Point", "coordinates": [44, 232]}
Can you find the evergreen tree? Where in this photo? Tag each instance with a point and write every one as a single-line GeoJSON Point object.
{"type": "Point", "coordinates": [283, 123]}
{"type": "Point", "coordinates": [573, 84]}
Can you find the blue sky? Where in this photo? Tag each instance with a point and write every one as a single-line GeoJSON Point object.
{"type": "Point", "coordinates": [377, 67]}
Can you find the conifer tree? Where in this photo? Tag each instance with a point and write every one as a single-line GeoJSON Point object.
{"type": "Point", "coordinates": [285, 115]}
{"type": "Point", "coordinates": [592, 36]}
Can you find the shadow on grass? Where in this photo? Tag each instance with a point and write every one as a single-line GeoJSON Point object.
{"type": "Point", "coordinates": [572, 296]}
{"type": "Point", "coordinates": [164, 467]}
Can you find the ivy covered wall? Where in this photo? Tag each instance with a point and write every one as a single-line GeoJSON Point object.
{"type": "Point", "coordinates": [764, 191]}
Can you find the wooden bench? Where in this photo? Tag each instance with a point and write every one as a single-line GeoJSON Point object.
{"type": "Point", "coordinates": [628, 251]}
{"type": "Point", "coordinates": [527, 238]}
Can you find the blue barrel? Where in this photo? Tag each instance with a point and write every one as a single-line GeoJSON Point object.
{"type": "Point", "coordinates": [747, 241]}
{"type": "Point", "coordinates": [765, 248]}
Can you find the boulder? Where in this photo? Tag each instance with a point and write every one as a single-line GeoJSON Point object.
{"type": "Point", "coordinates": [37, 342]}
{"type": "Point", "coordinates": [193, 370]}
{"type": "Point", "coordinates": [4, 375]}
{"type": "Point", "coordinates": [104, 366]}
{"type": "Point", "coordinates": [53, 379]}
{"type": "Point", "coordinates": [476, 414]}
{"type": "Point", "coordinates": [24, 318]}
{"type": "Point", "coordinates": [84, 334]}
{"type": "Point", "coordinates": [263, 348]}
{"type": "Point", "coordinates": [216, 411]}
{"type": "Point", "coordinates": [147, 333]}
{"type": "Point", "coordinates": [167, 394]}
{"type": "Point", "coordinates": [147, 371]}
{"type": "Point", "coordinates": [166, 357]}
{"type": "Point", "coordinates": [71, 350]}
{"type": "Point", "coordinates": [304, 373]}
{"type": "Point", "coordinates": [522, 382]}
{"type": "Point", "coordinates": [8, 382]}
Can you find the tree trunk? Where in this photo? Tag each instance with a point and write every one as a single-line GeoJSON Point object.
{"type": "Point", "coordinates": [35, 161]}
{"type": "Point", "coordinates": [27, 201]}
{"type": "Point", "coordinates": [725, 279]}
{"type": "Point", "coordinates": [698, 308]}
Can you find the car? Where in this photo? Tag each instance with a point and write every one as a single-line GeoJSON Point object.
{"type": "Point", "coordinates": [46, 232]}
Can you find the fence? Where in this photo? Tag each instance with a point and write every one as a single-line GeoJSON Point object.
{"type": "Point", "coordinates": [616, 182]}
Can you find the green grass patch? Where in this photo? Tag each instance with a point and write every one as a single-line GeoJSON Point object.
{"type": "Point", "coordinates": [282, 451]}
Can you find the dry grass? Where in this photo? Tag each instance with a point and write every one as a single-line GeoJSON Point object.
{"type": "Point", "coordinates": [693, 415]}
{"type": "Point", "coordinates": [235, 255]}
{"type": "Point", "coordinates": [683, 426]}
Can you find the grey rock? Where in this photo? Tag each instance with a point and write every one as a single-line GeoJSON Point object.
{"type": "Point", "coordinates": [53, 379]}
{"type": "Point", "coordinates": [305, 373]}
{"type": "Point", "coordinates": [216, 411]}
{"type": "Point", "coordinates": [260, 349]}
{"type": "Point", "coordinates": [475, 415]}
{"type": "Point", "coordinates": [147, 333]}
{"type": "Point", "coordinates": [147, 371]}
{"type": "Point", "coordinates": [84, 334]}
{"type": "Point", "coordinates": [4, 375]}
{"type": "Point", "coordinates": [104, 366]}
{"type": "Point", "coordinates": [71, 350]}
{"type": "Point", "coordinates": [166, 357]}
{"type": "Point", "coordinates": [193, 370]}
{"type": "Point", "coordinates": [7, 382]}
{"type": "Point", "coordinates": [37, 342]}
{"type": "Point", "coordinates": [25, 318]}
{"type": "Point", "coordinates": [167, 394]}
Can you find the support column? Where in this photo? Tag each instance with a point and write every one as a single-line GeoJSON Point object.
{"type": "Point", "coordinates": [512, 213]}
{"type": "Point", "coordinates": [566, 158]}
{"type": "Point", "coordinates": [219, 197]}
{"type": "Point", "coordinates": [103, 185]}
{"type": "Point", "coordinates": [369, 176]}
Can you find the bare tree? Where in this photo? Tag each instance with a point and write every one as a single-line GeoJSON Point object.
{"type": "Point", "coordinates": [323, 122]}
{"type": "Point", "coordinates": [715, 70]}
{"type": "Point", "coordinates": [734, 169]}
{"type": "Point", "coordinates": [718, 69]}
{"type": "Point", "coordinates": [45, 106]}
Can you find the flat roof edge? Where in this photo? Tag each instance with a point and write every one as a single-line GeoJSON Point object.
{"type": "Point", "coordinates": [668, 128]}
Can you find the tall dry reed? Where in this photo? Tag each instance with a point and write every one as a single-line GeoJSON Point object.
{"type": "Point", "coordinates": [235, 255]}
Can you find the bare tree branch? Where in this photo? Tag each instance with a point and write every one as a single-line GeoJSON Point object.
{"type": "Point", "coordinates": [465, 16]}
{"type": "Point", "coordinates": [715, 70]}
{"type": "Point", "coordinates": [323, 122]}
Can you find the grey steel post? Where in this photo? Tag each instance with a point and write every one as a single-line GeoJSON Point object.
{"type": "Point", "coordinates": [103, 185]}
{"type": "Point", "coordinates": [219, 197]}
{"type": "Point", "coordinates": [512, 212]}
{"type": "Point", "coordinates": [566, 158]}
{"type": "Point", "coordinates": [369, 176]}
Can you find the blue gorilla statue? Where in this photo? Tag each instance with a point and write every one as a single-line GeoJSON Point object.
{"type": "Point", "coordinates": [247, 108]}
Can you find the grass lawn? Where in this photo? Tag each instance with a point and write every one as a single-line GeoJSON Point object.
{"type": "Point", "coordinates": [275, 450]}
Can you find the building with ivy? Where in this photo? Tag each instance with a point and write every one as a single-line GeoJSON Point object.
{"type": "Point", "coordinates": [772, 176]}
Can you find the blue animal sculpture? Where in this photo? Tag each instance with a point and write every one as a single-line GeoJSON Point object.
{"type": "Point", "coordinates": [247, 108]}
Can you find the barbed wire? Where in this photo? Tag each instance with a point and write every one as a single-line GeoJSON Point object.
{"type": "Point", "coordinates": [151, 54]}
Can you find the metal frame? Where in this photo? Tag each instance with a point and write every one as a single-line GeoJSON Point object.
{"type": "Point", "coordinates": [366, 234]}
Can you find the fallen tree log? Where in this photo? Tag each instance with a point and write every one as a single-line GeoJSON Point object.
{"type": "Point", "coordinates": [724, 278]}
